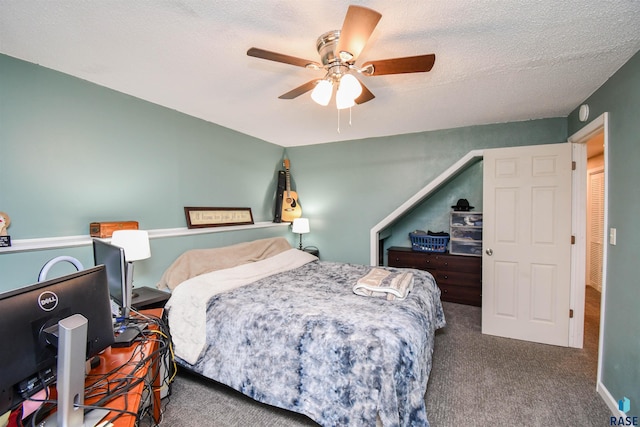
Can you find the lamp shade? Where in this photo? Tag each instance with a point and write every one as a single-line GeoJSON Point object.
{"type": "Point", "coordinates": [322, 92]}
{"type": "Point", "coordinates": [134, 242]}
{"type": "Point", "coordinates": [343, 100]}
{"type": "Point", "coordinates": [351, 86]}
{"type": "Point", "coordinates": [300, 225]}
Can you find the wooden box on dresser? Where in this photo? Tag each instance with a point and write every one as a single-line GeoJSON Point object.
{"type": "Point", "coordinates": [458, 277]}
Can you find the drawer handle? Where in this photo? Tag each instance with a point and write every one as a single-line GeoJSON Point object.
{"type": "Point", "coordinates": [446, 277]}
{"type": "Point", "coordinates": [445, 291]}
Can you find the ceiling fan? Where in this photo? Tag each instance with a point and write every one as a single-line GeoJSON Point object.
{"type": "Point", "coordinates": [339, 50]}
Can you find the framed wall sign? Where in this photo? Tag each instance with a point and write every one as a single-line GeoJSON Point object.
{"type": "Point", "coordinates": [217, 217]}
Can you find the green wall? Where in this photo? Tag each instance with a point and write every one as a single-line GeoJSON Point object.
{"type": "Point", "coordinates": [620, 96]}
{"type": "Point", "coordinates": [347, 188]}
{"type": "Point", "coordinates": [73, 152]}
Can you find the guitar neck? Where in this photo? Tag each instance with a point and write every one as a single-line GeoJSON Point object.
{"type": "Point", "coordinates": [288, 181]}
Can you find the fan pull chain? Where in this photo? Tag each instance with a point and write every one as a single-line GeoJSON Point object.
{"type": "Point", "coordinates": [350, 108]}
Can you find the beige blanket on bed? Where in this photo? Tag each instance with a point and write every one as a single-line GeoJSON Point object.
{"type": "Point", "coordinates": [199, 261]}
{"type": "Point", "coordinates": [187, 307]}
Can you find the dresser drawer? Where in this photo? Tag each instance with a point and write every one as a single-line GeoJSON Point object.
{"type": "Point", "coordinates": [461, 294]}
{"type": "Point", "coordinates": [461, 264]}
{"type": "Point", "coordinates": [458, 277]}
{"type": "Point", "coordinates": [454, 278]}
{"type": "Point", "coordinates": [422, 261]}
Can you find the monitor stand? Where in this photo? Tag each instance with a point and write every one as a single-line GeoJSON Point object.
{"type": "Point", "coordinates": [72, 344]}
{"type": "Point", "coordinates": [91, 419]}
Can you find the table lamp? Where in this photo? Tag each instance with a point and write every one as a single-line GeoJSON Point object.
{"type": "Point", "coordinates": [136, 247]}
{"type": "Point", "coordinates": [300, 226]}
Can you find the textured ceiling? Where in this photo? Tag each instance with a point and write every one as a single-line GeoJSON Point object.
{"type": "Point", "coordinates": [496, 60]}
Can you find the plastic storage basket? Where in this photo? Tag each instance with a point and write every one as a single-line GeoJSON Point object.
{"type": "Point", "coordinates": [425, 243]}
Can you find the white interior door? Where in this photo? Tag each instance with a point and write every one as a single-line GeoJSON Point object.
{"type": "Point", "coordinates": [527, 243]}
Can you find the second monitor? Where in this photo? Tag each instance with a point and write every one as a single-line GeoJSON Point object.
{"type": "Point", "coordinates": [112, 257]}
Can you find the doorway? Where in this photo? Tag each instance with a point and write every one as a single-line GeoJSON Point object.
{"type": "Point", "coordinates": [596, 240]}
{"type": "Point", "coordinates": [597, 132]}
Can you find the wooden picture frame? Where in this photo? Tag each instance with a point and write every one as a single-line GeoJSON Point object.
{"type": "Point", "coordinates": [199, 217]}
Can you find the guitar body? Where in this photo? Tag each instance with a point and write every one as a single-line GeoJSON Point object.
{"type": "Point", "coordinates": [290, 207]}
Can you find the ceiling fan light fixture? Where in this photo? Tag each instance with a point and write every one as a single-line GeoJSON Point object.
{"type": "Point", "coordinates": [339, 50]}
{"type": "Point", "coordinates": [351, 86]}
{"type": "Point", "coordinates": [322, 92]}
{"type": "Point", "coordinates": [344, 99]}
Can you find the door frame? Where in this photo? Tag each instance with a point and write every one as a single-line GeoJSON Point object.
{"type": "Point", "coordinates": [578, 262]}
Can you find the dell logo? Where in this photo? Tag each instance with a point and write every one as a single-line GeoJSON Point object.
{"type": "Point", "coordinates": [48, 300]}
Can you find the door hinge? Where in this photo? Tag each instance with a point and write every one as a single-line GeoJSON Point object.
{"type": "Point", "coordinates": [573, 240]}
{"type": "Point", "coordinates": [573, 166]}
{"type": "Point", "coordinates": [571, 313]}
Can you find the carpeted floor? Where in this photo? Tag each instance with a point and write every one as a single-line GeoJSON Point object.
{"type": "Point", "coordinates": [481, 380]}
{"type": "Point", "coordinates": [476, 380]}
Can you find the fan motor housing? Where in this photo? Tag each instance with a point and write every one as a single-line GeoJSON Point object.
{"type": "Point", "coordinates": [326, 46]}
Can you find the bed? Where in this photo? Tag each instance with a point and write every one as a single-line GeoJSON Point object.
{"type": "Point", "coordinates": [287, 329]}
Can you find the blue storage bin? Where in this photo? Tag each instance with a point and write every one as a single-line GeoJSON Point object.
{"type": "Point", "coordinates": [425, 243]}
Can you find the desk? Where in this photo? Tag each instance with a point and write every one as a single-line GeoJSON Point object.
{"type": "Point", "coordinates": [132, 378]}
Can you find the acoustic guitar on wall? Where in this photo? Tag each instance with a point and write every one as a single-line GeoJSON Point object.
{"type": "Point", "coordinates": [290, 207]}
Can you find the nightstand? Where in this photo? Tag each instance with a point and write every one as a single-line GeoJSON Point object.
{"type": "Point", "coordinates": [146, 298]}
{"type": "Point", "coordinates": [312, 250]}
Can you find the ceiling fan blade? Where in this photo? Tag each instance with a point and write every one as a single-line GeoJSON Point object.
{"type": "Point", "coordinates": [357, 27]}
{"type": "Point", "coordinates": [409, 64]}
{"type": "Point", "coordinates": [310, 85]}
{"type": "Point", "coordinates": [279, 57]}
{"type": "Point", "coordinates": [365, 96]}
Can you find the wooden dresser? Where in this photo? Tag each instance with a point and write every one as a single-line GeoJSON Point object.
{"type": "Point", "coordinates": [458, 277]}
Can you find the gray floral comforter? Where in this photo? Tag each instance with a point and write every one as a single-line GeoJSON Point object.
{"type": "Point", "coordinates": [303, 341]}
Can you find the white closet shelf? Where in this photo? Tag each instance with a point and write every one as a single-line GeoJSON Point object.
{"type": "Point", "coordinates": [26, 245]}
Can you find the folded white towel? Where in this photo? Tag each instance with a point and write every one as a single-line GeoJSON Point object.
{"type": "Point", "coordinates": [383, 283]}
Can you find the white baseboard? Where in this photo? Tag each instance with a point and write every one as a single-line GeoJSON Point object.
{"type": "Point", "coordinates": [611, 402]}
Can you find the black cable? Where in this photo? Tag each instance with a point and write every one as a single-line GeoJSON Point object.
{"type": "Point", "coordinates": [46, 400]}
{"type": "Point", "coordinates": [110, 388]}
{"type": "Point", "coordinates": [122, 385]}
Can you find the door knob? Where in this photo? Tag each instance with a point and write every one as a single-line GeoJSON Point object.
{"type": "Point", "coordinates": [489, 252]}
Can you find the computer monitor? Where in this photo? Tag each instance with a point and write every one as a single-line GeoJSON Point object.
{"type": "Point", "coordinates": [28, 359]}
{"type": "Point", "coordinates": [112, 257]}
